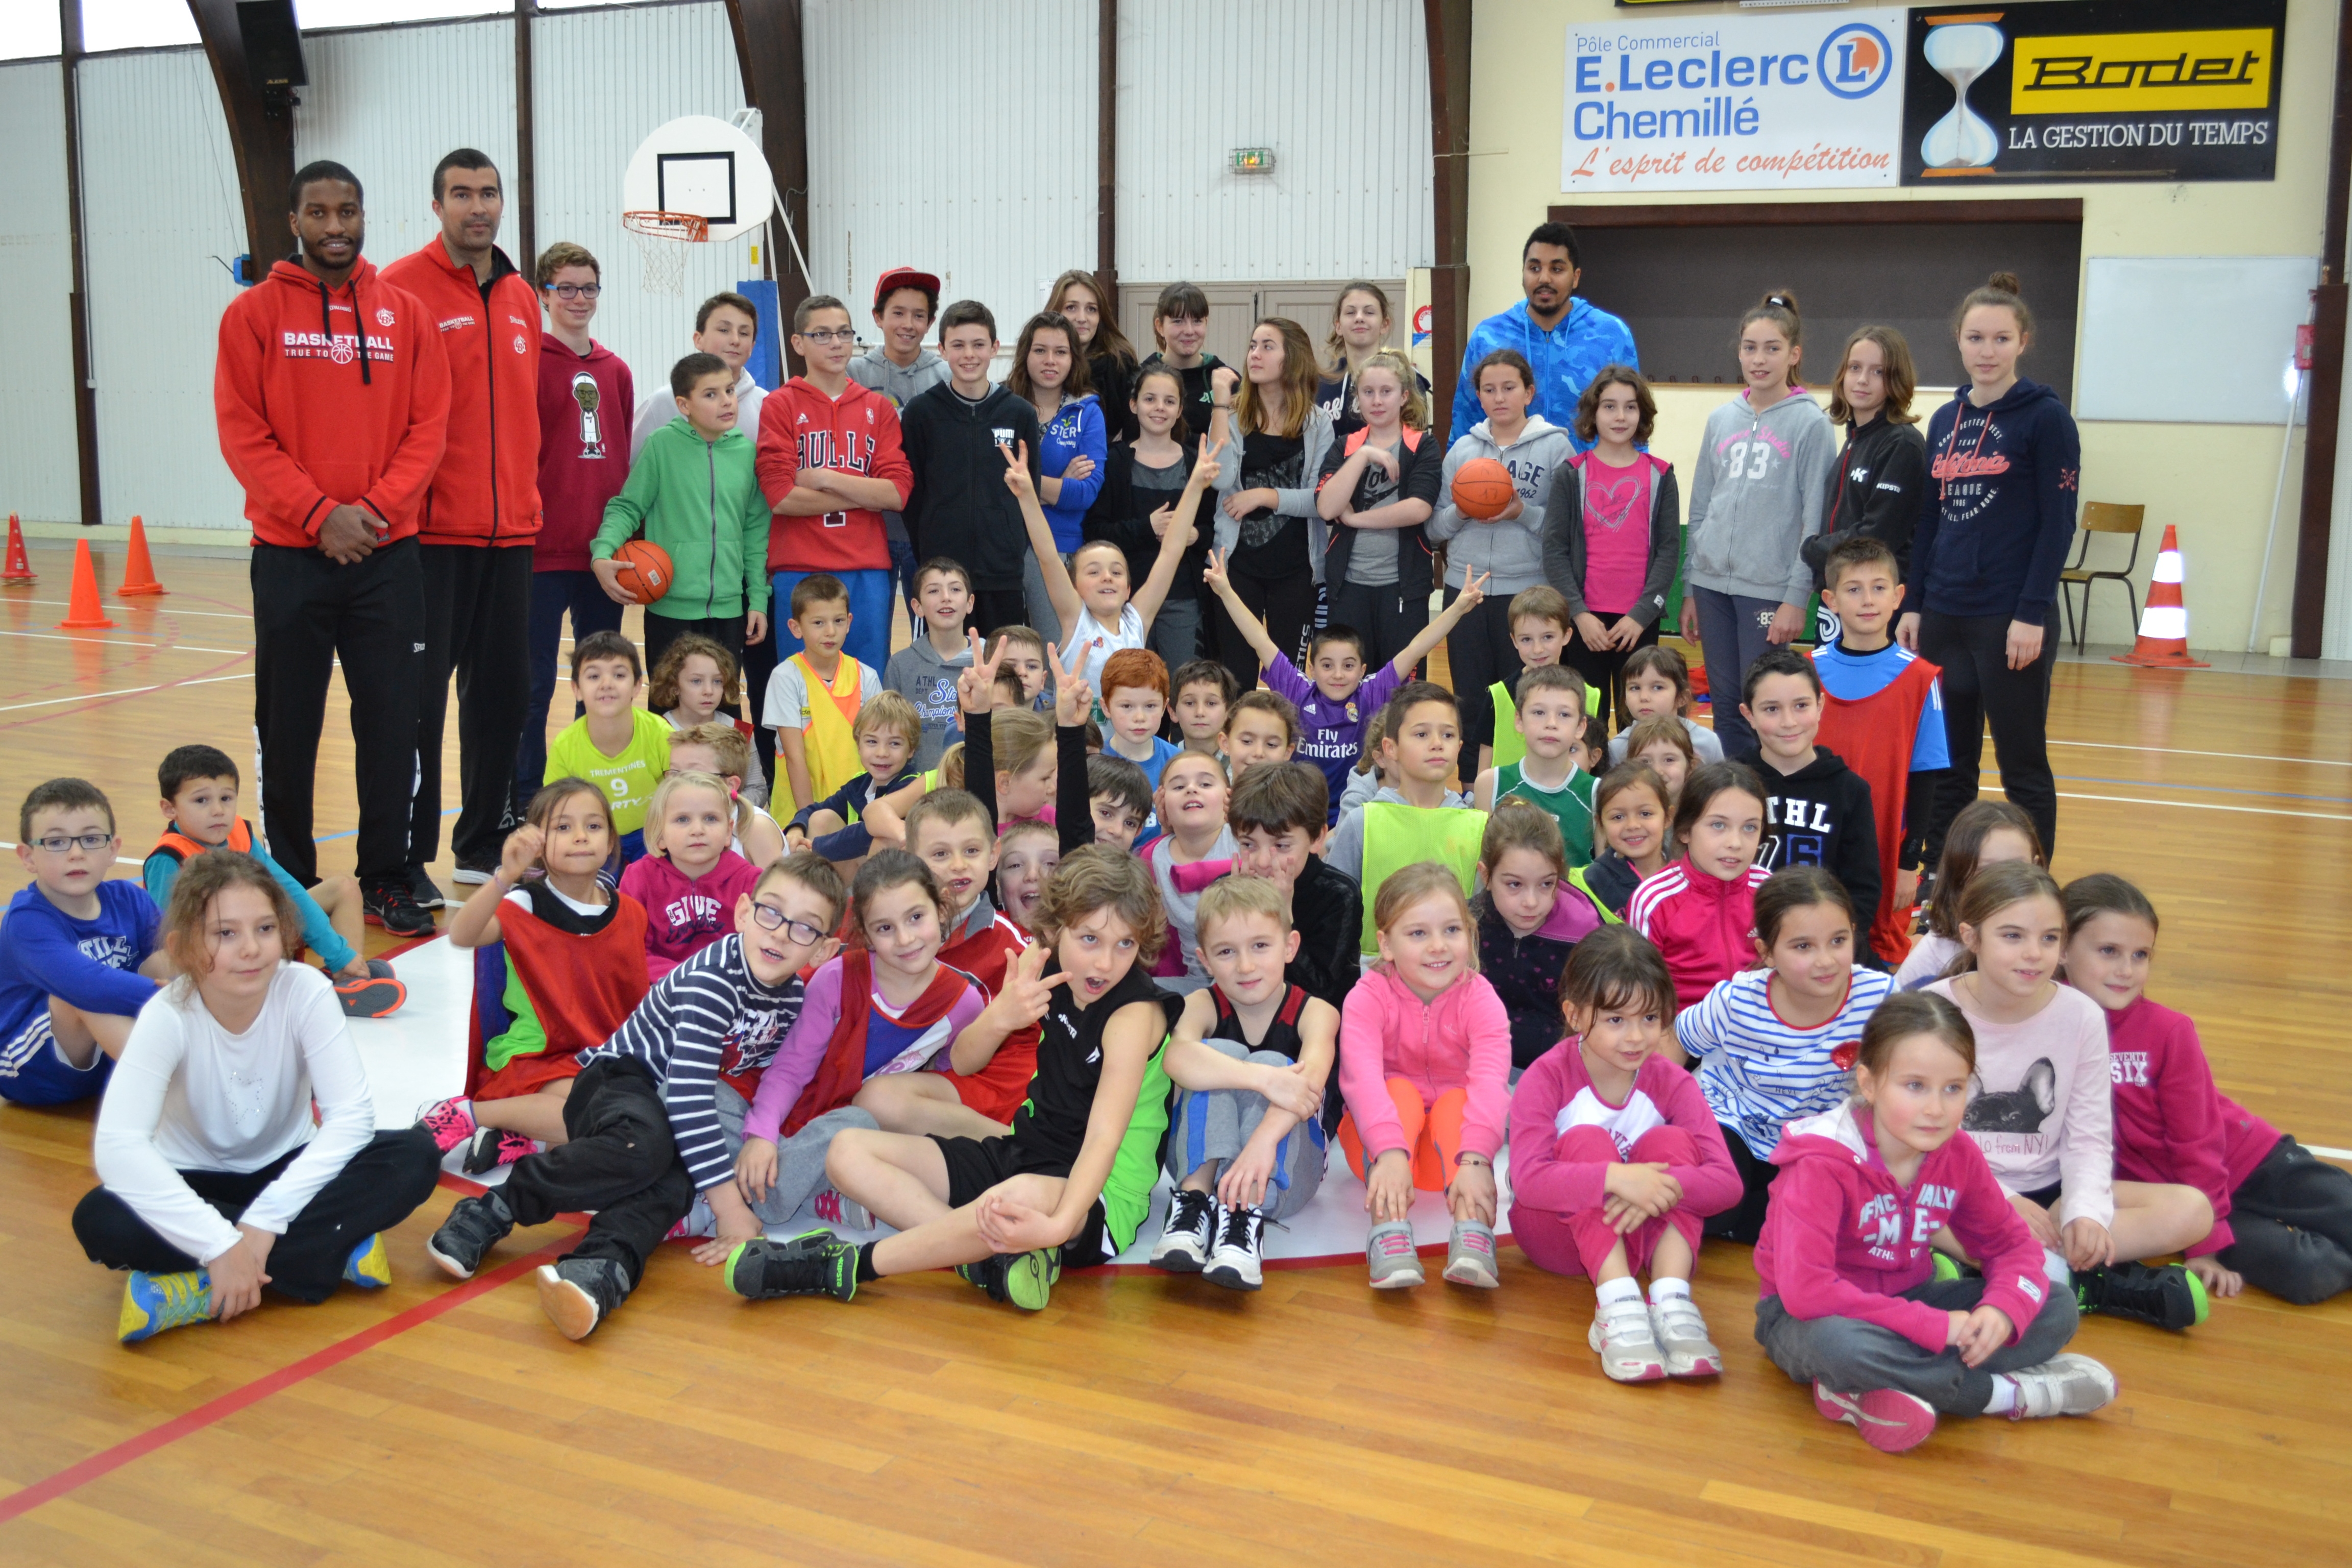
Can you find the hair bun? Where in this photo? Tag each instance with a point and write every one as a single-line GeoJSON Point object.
{"type": "Point", "coordinates": [1786, 299]}
{"type": "Point", "coordinates": [2006, 282]}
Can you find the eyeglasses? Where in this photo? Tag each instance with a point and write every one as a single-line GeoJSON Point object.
{"type": "Point", "coordinates": [575, 291]}
{"type": "Point", "coordinates": [826, 337]}
{"type": "Point", "coordinates": [57, 843]}
{"type": "Point", "coordinates": [773, 918]}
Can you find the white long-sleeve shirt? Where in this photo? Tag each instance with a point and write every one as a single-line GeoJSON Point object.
{"type": "Point", "coordinates": [187, 1095]}
{"type": "Point", "coordinates": [2041, 1107]}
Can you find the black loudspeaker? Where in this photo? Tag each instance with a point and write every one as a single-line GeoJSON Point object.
{"type": "Point", "coordinates": [273, 52]}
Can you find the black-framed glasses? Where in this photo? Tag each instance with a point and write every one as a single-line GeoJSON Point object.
{"type": "Point", "coordinates": [826, 337]}
{"type": "Point", "coordinates": [575, 291]}
{"type": "Point", "coordinates": [58, 843]}
{"type": "Point", "coordinates": [773, 918]}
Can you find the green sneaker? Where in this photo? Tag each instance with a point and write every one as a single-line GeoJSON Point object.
{"type": "Point", "coordinates": [1023, 1278]}
{"type": "Point", "coordinates": [154, 1302]}
{"type": "Point", "coordinates": [811, 1264]}
{"type": "Point", "coordinates": [1946, 1267]}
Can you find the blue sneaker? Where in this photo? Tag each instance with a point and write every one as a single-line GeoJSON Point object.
{"type": "Point", "coordinates": [368, 1266]}
{"type": "Point", "coordinates": [154, 1302]}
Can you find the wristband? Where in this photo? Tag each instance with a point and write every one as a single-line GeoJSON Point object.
{"type": "Point", "coordinates": [1481, 1160]}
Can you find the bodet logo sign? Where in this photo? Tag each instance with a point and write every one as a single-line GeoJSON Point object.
{"type": "Point", "coordinates": [1735, 103]}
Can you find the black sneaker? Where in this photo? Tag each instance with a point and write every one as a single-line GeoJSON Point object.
{"type": "Point", "coordinates": [1189, 1233]}
{"type": "Point", "coordinates": [578, 1293]}
{"type": "Point", "coordinates": [391, 902]}
{"type": "Point", "coordinates": [473, 873]}
{"type": "Point", "coordinates": [2169, 1297]}
{"type": "Point", "coordinates": [1235, 1264]}
{"type": "Point", "coordinates": [810, 1264]}
{"type": "Point", "coordinates": [428, 896]}
{"type": "Point", "coordinates": [1025, 1279]}
{"type": "Point", "coordinates": [465, 1237]}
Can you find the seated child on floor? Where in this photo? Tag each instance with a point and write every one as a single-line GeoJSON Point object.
{"type": "Point", "coordinates": [1631, 809]}
{"type": "Point", "coordinates": [689, 880]}
{"type": "Point", "coordinates": [237, 1145]}
{"type": "Point", "coordinates": [1850, 1303]}
{"type": "Point", "coordinates": [1661, 744]}
{"type": "Point", "coordinates": [1204, 691]}
{"type": "Point", "coordinates": [1658, 685]}
{"type": "Point", "coordinates": [693, 684]}
{"type": "Point", "coordinates": [950, 832]}
{"type": "Point", "coordinates": [872, 1019]}
{"type": "Point", "coordinates": [1196, 848]}
{"type": "Point", "coordinates": [1424, 1064]}
{"type": "Point", "coordinates": [1548, 720]}
{"type": "Point", "coordinates": [77, 952]}
{"type": "Point", "coordinates": [724, 752]}
{"type": "Point", "coordinates": [1071, 1185]}
{"type": "Point", "coordinates": [1700, 910]}
{"type": "Point", "coordinates": [1418, 819]}
{"type": "Point", "coordinates": [2044, 1113]}
{"type": "Point", "coordinates": [198, 784]}
{"type": "Point", "coordinates": [1616, 1162]}
{"type": "Point", "coordinates": [1530, 918]}
{"type": "Point", "coordinates": [1250, 1059]}
{"type": "Point", "coordinates": [1775, 1044]}
{"type": "Point", "coordinates": [655, 1117]}
{"type": "Point", "coordinates": [573, 966]}
{"type": "Point", "coordinates": [887, 730]}
{"type": "Point", "coordinates": [1987, 832]}
{"type": "Point", "coordinates": [2282, 1219]}
{"type": "Point", "coordinates": [618, 747]}
{"type": "Point", "coordinates": [1277, 815]}
{"type": "Point", "coordinates": [1261, 726]}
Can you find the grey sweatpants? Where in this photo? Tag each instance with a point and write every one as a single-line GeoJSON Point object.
{"type": "Point", "coordinates": [800, 1159]}
{"type": "Point", "coordinates": [1215, 1123]}
{"type": "Point", "coordinates": [1853, 1357]}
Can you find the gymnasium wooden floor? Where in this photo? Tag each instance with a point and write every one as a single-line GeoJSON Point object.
{"type": "Point", "coordinates": [1144, 1420]}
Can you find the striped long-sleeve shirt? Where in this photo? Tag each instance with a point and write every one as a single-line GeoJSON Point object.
{"type": "Point", "coordinates": [1759, 1072]}
{"type": "Point", "coordinates": [708, 1014]}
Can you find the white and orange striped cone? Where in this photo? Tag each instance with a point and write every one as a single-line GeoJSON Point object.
{"type": "Point", "coordinates": [2163, 642]}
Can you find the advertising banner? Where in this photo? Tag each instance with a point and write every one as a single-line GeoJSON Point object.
{"type": "Point", "coordinates": [1730, 103]}
{"type": "Point", "coordinates": [2076, 90]}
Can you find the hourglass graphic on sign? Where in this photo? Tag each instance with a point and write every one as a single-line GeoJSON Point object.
{"type": "Point", "coordinates": [1961, 52]}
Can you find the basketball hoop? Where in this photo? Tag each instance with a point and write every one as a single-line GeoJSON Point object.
{"type": "Point", "coordinates": [662, 238]}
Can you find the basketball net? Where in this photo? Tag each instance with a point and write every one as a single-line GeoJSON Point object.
{"type": "Point", "coordinates": [662, 238]}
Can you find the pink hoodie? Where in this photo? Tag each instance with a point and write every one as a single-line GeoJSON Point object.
{"type": "Point", "coordinates": [2171, 1123]}
{"type": "Point", "coordinates": [1462, 1040]}
{"type": "Point", "coordinates": [685, 914]}
{"type": "Point", "coordinates": [1556, 1093]}
{"type": "Point", "coordinates": [1842, 1239]}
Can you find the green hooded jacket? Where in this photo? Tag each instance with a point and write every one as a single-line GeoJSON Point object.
{"type": "Point", "coordinates": [701, 501]}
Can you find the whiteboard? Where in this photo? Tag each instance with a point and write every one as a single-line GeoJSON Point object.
{"type": "Point", "coordinates": [2189, 339]}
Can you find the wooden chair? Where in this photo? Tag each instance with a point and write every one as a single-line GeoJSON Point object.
{"type": "Point", "coordinates": [2101, 517]}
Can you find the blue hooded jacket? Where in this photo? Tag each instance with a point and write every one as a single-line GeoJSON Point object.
{"type": "Point", "coordinates": [1998, 511]}
{"type": "Point", "coordinates": [1565, 359]}
{"type": "Point", "coordinates": [1076, 430]}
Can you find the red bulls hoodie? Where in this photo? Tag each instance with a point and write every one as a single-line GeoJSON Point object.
{"type": "Point", "coordinates": [857, 433]}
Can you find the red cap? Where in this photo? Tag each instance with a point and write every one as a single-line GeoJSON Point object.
{"type": "Point", "coordinates": [904, 277]}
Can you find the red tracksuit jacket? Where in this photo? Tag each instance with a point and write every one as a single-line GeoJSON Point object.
{"type": "Point", "coordinates": [487, 491]}
{"type": "Point", "coordinates": [801, 427]}
{"type": "Point", "coordinates": [312, 415]}
{"type": "Point", "coordinates": [1702, 924]}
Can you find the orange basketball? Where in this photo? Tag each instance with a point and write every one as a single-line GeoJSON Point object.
{"type": "Point", "coordinates": [1483, 487]}
{"type": "Point", "coordinates": [646, 570]}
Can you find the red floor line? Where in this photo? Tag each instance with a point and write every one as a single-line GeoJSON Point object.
{"type": "Point", "coordinates": [74, 1477]}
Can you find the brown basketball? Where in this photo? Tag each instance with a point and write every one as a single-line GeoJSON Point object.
{"type": "Point", "coordinates": [1483, 487]}
{"type": "Point", "coordinates": [644, 569]}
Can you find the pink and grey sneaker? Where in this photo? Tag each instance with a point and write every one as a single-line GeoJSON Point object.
{"type": "Point", "coordinates": [451, 1122]}
{"type": "Point", "coordinates": [1888, 1419]}
{"type": "Point", "coordinates": [1390, 1253]}
{"type": "Point", "coordinates": [836, 1208]}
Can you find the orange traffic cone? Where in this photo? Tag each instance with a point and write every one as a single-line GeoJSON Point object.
{"type": "Point", "coordinates": [83, 611]}
{"type": "Point", "coordinates": [20, 567]}
{"type": "Point", "coordinates": [2164, 622]}
{"type": "Point", "coordinates": [138, 574]}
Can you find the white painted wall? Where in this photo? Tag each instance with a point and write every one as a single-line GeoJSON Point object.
{"type": "Point", "coordinates": [39, 472]}
{"type": "Point", "coordinates": [159, 205]}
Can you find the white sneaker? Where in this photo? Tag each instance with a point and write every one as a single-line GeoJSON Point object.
{"type": "Point", "coordinates": [1627, 1346]}
{"type": "Point", "coordinates": [1235, 1263]}
{"type": "Point", "coordinates": [2063, 1385]}
{"type": "Point", "coordinates": [1191, 1232]}
{"type": "Point", "coordinates": [1681, 1335]}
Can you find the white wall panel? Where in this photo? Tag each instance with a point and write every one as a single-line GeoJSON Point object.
{"type": "Point", "coordinates": [1338, 88]}
{"type": "Point", "coordinates": [39, 471]}
{"type": "Point", "coordinates": [605, 78]}
{"type": "Point", "coordinates": [388, 102]}
{"type": "Point", "coordinates": [966, 168]}
{"type": "Point", "coordinates": [159, 205]}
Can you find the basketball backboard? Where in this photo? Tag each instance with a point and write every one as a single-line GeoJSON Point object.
{"type": "Point", "coordinates": [701, 164]}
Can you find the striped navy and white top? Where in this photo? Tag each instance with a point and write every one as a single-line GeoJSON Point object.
{"type": "Point", "coordinates": [708, 1014]}
{"type": "Point", "coordinates": [1759, 1072]}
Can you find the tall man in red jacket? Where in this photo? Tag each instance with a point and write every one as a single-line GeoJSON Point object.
{"type": "Point", "coordinates": [830, 464]}
{"type": "Point", "coordinates": [480, 519]}
{"type": "Point", "coordinates": [331, 393]}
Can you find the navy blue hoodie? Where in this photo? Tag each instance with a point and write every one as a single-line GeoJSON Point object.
{"type": "Point", "coordinates": [1999, 510]}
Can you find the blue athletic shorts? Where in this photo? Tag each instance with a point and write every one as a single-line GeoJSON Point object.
{"type": "Point", "coordinates": [33, 1072]}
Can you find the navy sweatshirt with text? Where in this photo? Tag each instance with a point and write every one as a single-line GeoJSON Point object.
{"type": "Point", "coordinates": [1999, 510]}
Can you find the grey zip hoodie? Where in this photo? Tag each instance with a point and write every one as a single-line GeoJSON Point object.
{"type": "Point", "coordinates": [1761, 486]}
{"type": "Point", "coordinates": [925, 677]}
{"type": "Point", "coordinates": [1314, 440]}
{"type": "Point", "coordinates": [1512, 550]}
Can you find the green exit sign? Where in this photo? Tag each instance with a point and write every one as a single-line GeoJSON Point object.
{"type": "Point", "coordinates": [1253, 160]}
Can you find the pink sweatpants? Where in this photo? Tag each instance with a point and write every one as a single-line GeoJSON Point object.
{"type": "Point", "coordinates": [1579, 1243]}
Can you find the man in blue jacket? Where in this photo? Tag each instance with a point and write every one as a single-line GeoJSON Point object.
{"type": "Point", "coordinates": [1565, 339]}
